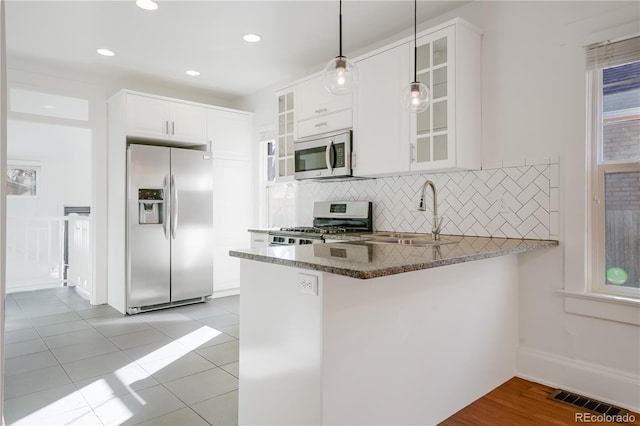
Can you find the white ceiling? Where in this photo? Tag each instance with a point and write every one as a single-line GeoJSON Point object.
{"type": "Point", "coordinates": [205, 36]}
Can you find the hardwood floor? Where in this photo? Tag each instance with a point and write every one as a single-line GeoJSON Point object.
{"type": "Point", "coordinates": [519, 402]}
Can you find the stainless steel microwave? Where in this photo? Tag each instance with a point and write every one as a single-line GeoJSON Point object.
{"type": "Point", "coordinates": [323, 156]}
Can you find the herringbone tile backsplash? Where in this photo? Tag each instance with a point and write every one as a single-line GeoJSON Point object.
{"type": "Point", "coordinates": [470, 201]}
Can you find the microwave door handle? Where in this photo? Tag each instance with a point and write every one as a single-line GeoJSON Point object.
{"type": "Point", "coordinates": [328, 156]}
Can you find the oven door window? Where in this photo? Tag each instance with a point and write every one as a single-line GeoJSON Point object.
{"type": "Point", "coordinates": [310, 159]}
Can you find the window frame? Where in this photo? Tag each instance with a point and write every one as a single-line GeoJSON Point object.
{"type": "Point", "coordinates": [597, 170]}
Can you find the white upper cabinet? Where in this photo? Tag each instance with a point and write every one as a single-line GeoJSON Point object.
{"type": "Point", "coordinates": [319, 111]}
{"type": "Point", "coordinates": [286, 131]}
{"type": "Point", "coordinates": [447, 136]}
{"type": "Point", "coordinates": [387, 140]}
{"type": "Point", "coordinates": [161, 119]}
{"type": "Point", "coordinates": [188, 122]}
{"type": "Point", "coordinates": [381, 127]}
{"type": "Point", "coordinates": [229, 133]}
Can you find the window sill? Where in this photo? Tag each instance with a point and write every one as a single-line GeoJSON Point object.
{"type": "Point", "coordinates": [604, 306]}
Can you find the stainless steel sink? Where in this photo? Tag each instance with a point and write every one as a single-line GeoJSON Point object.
{"type": "Point", "coordinates": [396, 235]}
{"type": "Point", "coordinates": [407, 239]}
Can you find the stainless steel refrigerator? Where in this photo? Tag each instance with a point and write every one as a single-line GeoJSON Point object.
{"type": "Point", "coordinates": [169, 227]}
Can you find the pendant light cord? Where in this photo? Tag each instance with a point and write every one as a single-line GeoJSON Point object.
{"type": "Point", "coordinates": [340, 27]}
{"type": "Point", "coordinates": [415, 41]}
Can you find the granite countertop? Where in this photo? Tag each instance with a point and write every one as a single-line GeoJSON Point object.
{"type": "Point", "coordinates": [366, 259]}
{"type": "Point", "coordinates": [261, 230]}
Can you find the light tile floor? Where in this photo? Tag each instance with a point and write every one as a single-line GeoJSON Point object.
{"type": "Point", "coordinates": [70, 363]}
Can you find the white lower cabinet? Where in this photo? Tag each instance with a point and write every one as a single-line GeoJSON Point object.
{"type": "Point", "coordinates": [232, 215]}
{"type": "Point", "coordinates": [381, 126]}
{"type": "Point", "coordinates": [259, 239]}
{"type": "Point", "coordinates": [450, 333]}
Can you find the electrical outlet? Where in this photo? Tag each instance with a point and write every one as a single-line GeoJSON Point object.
{"type": "Point", "coordinates": [503, 206]}
{"type": "Point", "coordinates": [308, 284]}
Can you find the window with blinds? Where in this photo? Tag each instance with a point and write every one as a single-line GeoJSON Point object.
{"type": "Point", "coordinates": [614, 74]}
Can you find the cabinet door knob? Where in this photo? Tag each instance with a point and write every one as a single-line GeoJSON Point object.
{"type": "Point", "coordinates": [321, 110]}
{"type": "Point", "coordinates": [166, 127]}
{"type": "Point", "coordinates": [321, 124]}
{"type": "Point", "coordinates": [173, 128]}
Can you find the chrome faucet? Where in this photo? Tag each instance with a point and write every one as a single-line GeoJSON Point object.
{"type": "Point", "coordinates": [437, 222]}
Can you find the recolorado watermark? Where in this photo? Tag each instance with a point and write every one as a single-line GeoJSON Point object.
{"type": "Point", "coordinates": [604, 418]}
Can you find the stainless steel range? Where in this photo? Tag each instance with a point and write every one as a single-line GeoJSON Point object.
{"type": "Point", "coordinates": [329, 218]}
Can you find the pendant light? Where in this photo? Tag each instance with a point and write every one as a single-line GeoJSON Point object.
{"type": "Point", "coordinates": [416, 97]}
{"type": "Point", "coordinates": [340, 74]}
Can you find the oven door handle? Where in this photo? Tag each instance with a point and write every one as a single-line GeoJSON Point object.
{"type": "Point", "coordinates": [328, 156]}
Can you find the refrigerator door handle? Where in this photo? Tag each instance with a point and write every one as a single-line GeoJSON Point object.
{"type": "Point", "coordinates": [174, 207]}
{"type": "Point", "coordinates": [165, 225]}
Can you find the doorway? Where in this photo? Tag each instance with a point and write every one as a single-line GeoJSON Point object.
{"type": "Point", "coordinates": [49, 172]}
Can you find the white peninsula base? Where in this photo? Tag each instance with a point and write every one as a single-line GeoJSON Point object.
{"type": "Point", "coordinates": [410, 348]}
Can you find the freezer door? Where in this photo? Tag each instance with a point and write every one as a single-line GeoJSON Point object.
{"type": "Point", "coordinates": [192, 224]}
{"type": "Point", "coordinates": [148, 243]}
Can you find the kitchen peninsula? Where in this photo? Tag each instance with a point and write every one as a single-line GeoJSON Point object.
{"type": "Point", "coordinates": [362, 332]}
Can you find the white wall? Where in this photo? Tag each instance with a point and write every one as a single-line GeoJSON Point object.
{"type": "Point", "coordinates": [3, 157]}
{"type": "Point", "coordinates": [534, 105]}
{"type": "Point", "coordinates": [534, 102]}
{"type": "Point", "coordinates": [64, 155]}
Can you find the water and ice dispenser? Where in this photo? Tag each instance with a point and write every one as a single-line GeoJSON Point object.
{"type": "Point", "coordinates": [150, 206]}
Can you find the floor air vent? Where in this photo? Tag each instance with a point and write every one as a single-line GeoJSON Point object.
{"type": "Point", "coordinates": [587, 404]}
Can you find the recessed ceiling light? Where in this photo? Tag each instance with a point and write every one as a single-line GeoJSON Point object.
{"type": "Point", "coordinates": [193, 73]}
{"type": "Point", "coordinates": [251, 38]}
{"type": "Point", "coordinates": [147, 4]}
{"type": "Point", "coordinates": [48, 106]}
{"type": "Point", "coordinates": [105, 52]}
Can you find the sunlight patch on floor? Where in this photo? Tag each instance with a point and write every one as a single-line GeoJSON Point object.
{"type": "Point", "coordinates": [103, 392]}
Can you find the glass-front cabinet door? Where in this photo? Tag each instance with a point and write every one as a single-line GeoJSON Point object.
{"type": "Point", "coordinates": [286, 122]}
{"type": "Point", "coordinates": [434, 144]}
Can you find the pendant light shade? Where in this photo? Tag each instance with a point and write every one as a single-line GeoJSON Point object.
{"type": "Point", "coordinates": [340, 75]}
{"type": "Point", "coordinates": [416, 97]}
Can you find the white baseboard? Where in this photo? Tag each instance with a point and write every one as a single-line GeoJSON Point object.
{"type": "Point", "coordinates": [592, 380]}
{"type": "Point", "coordinates": [225, 293]}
